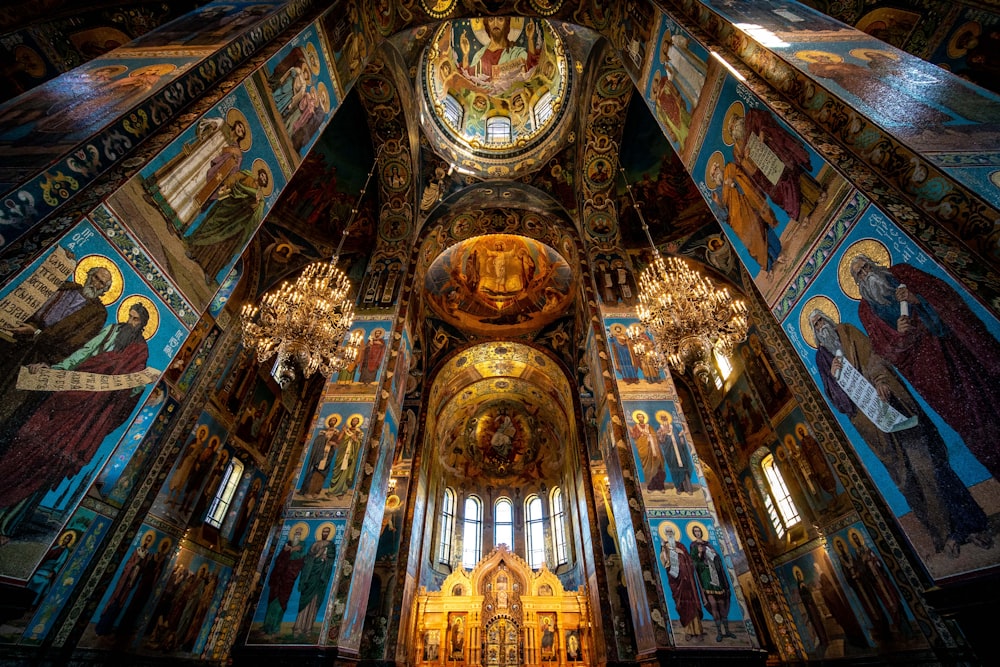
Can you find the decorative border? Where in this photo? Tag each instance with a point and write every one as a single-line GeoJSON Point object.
{"type": "Point", "coordinates": [111, 227]}
{"type": "Point", "coordinates": [63, 181]}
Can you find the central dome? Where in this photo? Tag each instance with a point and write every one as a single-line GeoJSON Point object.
{"type": "Point", "coordinates": [494, 88]}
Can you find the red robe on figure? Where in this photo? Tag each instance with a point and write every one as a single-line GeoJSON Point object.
{"type": "Point", "coordinates": [67, 429]}
{"type": "Point", "coordinates": [684, 590]}
{"type": "Point", "coordinates": [953, 363]}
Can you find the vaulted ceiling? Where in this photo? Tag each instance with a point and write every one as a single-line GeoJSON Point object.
{"type": "Point", "coordinates": [504, 234]}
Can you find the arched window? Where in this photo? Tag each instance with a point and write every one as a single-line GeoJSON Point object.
{"type": "Point", "coordinates": [559, 526]}
{"type": "Point", "coordinates": [543, 109]}
{"type": "Point", "coordinates": [224, 494]}
{"type": "Point", "coordinates": [503, 523]}
{"type": "Point", "coordinates": [534, 531]}
{"type": "Point", "coordinates": [447, 529]}
{"type": "Point", "coordinates": [498, 130]}
{"type": "Point", "coordinates": [453, 111]}
{"type": "Point", "coordinates": [472, 535]}
{"type": "Point", "coordinates": [754, 489]}
{"type": "Point", "coordinates": [779, 491]}
{"type": "Point", "coordinates": [723, 366]}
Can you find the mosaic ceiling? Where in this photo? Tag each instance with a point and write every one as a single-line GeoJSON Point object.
{"type": "Point", "coordinates": [500, 410]}
{"type": "Point", "coordinates": [499, 284]}
{"type": "Point", "coordinates": [494, 88]}
{"type": "Point", "coordinates": [498, 258]}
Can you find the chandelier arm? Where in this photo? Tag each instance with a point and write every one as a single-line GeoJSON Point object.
{"type": "Point", "coordinates": [306, 322]}
{"type": "Point", "coordinates": [686, 314]}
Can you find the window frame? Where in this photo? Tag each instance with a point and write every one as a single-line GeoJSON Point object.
{"type": "Point", "coordinates": [543, 109]}
{"type": "Point", "coordinates": [219, 507]}
{"type": "Point", "coordinates": [534, 531]}
{"type": "Point", "coordinates": [778, 489]}
{"type": "Point", "coordinates": [446, 531]}
{"type": "Point", "coordinates": [723, 367]}
{"type": "Point", "coordinates": [472, 549]}
{"type": "Point", "coordinates": [507, 526]}
{"type": "Point", "coordinates": [454, 112]}
{"type": "Point", "coordinates": [493, 126]}
{"type": "Point", "coordinates": [557, 507]}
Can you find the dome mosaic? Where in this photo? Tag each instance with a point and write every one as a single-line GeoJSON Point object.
{"type": "Point", "coordinates": [495, 87]}
{"type": "Point", "coordinates": [499, 284]}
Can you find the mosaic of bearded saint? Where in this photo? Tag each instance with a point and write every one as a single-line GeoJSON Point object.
{"type": "Point", "coordinates": [503, 440]}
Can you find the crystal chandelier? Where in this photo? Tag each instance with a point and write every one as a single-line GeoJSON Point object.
{"type": "Point", "coordinates": [687, 316]}
{"type": "Point", "coordinates": [306, 322]}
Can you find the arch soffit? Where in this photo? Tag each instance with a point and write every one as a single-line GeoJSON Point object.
{"type": "Point", "coordinates": [500, 192]}
{"type": "Point", "coordinates": [598, 16]}
{"type": "Point", "coordinates": [484, 361]}
{"type": "Point", "coordinates": [386, 99]}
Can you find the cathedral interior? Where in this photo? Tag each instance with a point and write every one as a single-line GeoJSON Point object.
{"type": "Point", "coordinates": [494, 457]}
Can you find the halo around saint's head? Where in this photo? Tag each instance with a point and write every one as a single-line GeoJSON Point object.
{"type": "Point", "coordinates": [324, 97]}
{"type": "Point", "coordinates": [690, 530]}
{"type": "Point", "coordinates": [959, 43]}
{"type": "Point", "coordinates": [326, 524]}
{"type": "Point", "coordinates": [107, 72]}
{"type": "Point", "coordinates": [636, 413]}
{"type": "Point", "coordinates": [874, 250]}
{"type": "Point", "coordinates": [302, 527]}
{"type": "Point", "coordinates": [483, 35]}
{"type": "Point", "coordinates": [735, 109]}
{"type": "Point", "coordinates": [154, 314]}
{"type": "Point", "coordinates": [824, 304]}
{"type": "Point", "coordinates": [333, 421]}
{"type": "Point", "coordinates": [312, 58]}
{"type": "Point", "coordinates": [30, 61]}
{"type": "Point", "coordinates": [234, 115]}
{"type": "Point", "coordinates": [715, 158]}
{"type": "Point", "coordinates": [663, 417]}
{"type": "Point", "coordinates": [811, 56]}
{"type": "Point", "coordinates": [89, 262]}
{"type": "Point", "coordinates": [159, 69]}
{"type": "Point", "coordinates": [259, 165]}
{"type": "Point", "coordinates": [865, 53]}
{"type": "Point", "coordinates": [668, 525]}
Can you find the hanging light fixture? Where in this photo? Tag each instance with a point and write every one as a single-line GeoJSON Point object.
{"type": "Point", "coordinates": [687, 316]}
{"type": "Point", "coordinates": [306, 322]}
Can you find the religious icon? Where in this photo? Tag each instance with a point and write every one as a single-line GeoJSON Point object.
{"type": "Point", "coordinates": [81, 417]}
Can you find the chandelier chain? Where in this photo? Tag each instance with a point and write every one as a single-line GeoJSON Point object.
{"type": "Point", "coordinates": [305, 322]}
{"type": "Point", "coordinates": [684, 315]}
